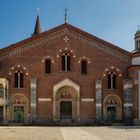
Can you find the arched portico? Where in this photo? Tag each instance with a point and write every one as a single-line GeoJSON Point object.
{"type": "Point", "coordinates": [66, 92]}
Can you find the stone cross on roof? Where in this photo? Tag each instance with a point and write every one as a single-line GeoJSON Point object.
{"type": "Point", "coordinates": [66, 11]}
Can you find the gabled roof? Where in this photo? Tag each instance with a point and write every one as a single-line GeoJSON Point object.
{"type": "Point", "coordinates": [80, 34]}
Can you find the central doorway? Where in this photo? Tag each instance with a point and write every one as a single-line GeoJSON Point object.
{"type": "Point", "coordinates": [65, 110]}
{"type": "Point", "coordinates": [66, 105]}
{"type": "Point", "coordinates": [19, 114]}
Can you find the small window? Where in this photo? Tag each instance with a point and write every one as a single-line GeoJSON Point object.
{"type": "Point", "coordinates": [111, 81]}
{"type": "Point", "coordinates": [18, 79]}
{"type": "Point", "coordinates": [21, 80]}
{"type": "Point", "coordinates": [114, 81]}
{"type": "Point", "coordinates": [83, 67]}
{"type": "Point", "coordinates": [63, 62]}
{"type": "Point", "coordinates": [47, 66]}
{"type": "Point", "coordinates": [66, 62]}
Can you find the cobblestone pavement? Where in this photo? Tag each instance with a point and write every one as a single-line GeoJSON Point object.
{"type": "Point", "coordinates": [70, 133]}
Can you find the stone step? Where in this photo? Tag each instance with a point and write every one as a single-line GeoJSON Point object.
{"type": "Point", "coordinates": [67, 122]}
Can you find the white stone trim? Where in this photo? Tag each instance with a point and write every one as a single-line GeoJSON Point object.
{"type": "Point", "coordinates": [127, 104]}
{"type": "Point", "coordinates": [98, 86]}
{"type": "Point", "coordinates": [98, 105]}
{"type": "Point", "coordinates": [87, 100]}
{"type": "Point", "coordinates": [33, 86]}
{"type": "Point", "coordinates": [44, 99]}
{"type": "Point", "coordinates": [33, 104]}
{"type": "Point", "coordinates": [66, 82]}
{"type": "Point", "coordinates": [128, 85]}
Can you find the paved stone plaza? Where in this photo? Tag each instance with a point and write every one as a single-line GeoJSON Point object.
{"type": "Point", "coordinates": [70, 133]}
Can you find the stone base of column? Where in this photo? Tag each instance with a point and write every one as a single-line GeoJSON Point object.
{"type": "Point", "coordinates": [136, 121]}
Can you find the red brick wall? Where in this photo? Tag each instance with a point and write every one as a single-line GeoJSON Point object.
{"type": "Point", "coordinates": [32, 60]}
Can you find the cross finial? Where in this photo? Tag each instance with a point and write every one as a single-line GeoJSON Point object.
{"type": "Point", "coordinates": [66, 10]}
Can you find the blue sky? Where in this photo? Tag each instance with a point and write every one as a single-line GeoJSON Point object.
{"type": "Point", "coordinates": [112, 20]}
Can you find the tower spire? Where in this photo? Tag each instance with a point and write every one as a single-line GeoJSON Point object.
{"type": "Point", "coordinates": [38, 27]}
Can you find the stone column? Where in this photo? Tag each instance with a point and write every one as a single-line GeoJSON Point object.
{"type": "Point", "coordinates": [4, 105]}
{"type": "Point", "coordinates": [98, 100]}
{"type": "Point", "coordinates": [33, 83]}
{"type": "Point", "coordinates": [127, 100]}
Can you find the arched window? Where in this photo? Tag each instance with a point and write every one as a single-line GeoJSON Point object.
{"type": "Point", "coordinates": [19, 79]}
{"type": "Point", "coordinates": [65, 62]}
{"type": "Point", "coordinates": [84, 67]}
{"type": "Point", "coordinates": [48, 66]}
{"type": "Point", "coordinates": [136, 44]}
{"type": "Point", "coordinates": [111, 80]}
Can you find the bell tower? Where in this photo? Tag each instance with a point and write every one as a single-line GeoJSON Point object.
{"type": "Point", "coordinates": [137, 39]}
{"type": "Point", "coordinates": [134, 71]}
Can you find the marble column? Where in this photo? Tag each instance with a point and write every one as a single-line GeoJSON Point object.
{"type": "Point", "coordinates": [98, 100]}
{"type": "Point", "coordinates": [127, 99]}
{"type": "Point", "coordinates": [33, 102]}
{"type": "Point", "coordinates": [5, 105]}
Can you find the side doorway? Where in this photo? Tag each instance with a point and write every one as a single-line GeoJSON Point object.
{"type": "Point", "coordinates": [19, 114]}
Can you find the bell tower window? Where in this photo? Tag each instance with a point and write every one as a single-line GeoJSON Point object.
{"type": "Point", "coordinates": [137, 42]}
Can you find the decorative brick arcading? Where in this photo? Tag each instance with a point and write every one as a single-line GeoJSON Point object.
{"type": "Point", "coordinates": [60, 33]}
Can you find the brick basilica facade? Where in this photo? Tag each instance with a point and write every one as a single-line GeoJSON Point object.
{"type": "Point", "coordinates": [67, 75]}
